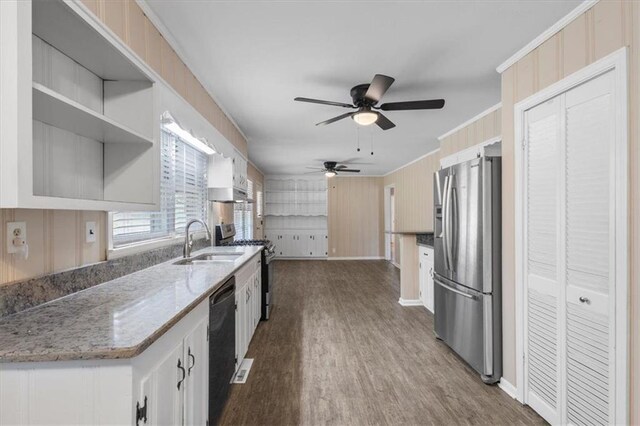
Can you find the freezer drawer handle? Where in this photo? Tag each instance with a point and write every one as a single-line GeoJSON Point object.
{"type": "Point", "coordinates": [461, 293]}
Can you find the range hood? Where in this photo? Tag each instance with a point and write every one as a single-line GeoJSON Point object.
{"type": "Point", "coordinates": [227, 195]}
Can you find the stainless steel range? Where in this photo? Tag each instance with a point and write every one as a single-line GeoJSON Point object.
{"type": "Point", "coordinates": [225, 234]}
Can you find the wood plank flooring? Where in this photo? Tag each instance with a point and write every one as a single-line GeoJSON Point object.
{"type": "Point", "coordinates": [340, 350]}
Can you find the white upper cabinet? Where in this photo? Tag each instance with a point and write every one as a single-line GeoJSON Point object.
{"type": "Point", "coordinates": [79, 122]}
{"type": "Point", "coordinates": [228, 172]}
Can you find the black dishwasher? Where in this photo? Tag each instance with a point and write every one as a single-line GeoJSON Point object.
{"type": "Point", "coordinates": [222, 347]}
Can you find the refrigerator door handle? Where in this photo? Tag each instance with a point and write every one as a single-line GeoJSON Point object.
{"type": "Point", "coordinates": [444, 285]}
{"type": "Point", "coordinates": [445, 221]}
{"type": "Point", "coordinates": [454, 228]}
{"type": "Point", "coordinates": [449, 226]}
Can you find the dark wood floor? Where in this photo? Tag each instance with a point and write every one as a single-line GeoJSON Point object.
{"type": "Point", "coordinates": [340, 350]}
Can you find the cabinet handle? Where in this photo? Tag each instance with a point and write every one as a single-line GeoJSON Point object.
{"type": "Point", "coordinates": [141, 412]}
{"type": "Point", "coordinates": [184, 373]}
{"type": "Point", "coordinates": [193, 362]}
{"type": "Point", "coordinates": [586, 300]}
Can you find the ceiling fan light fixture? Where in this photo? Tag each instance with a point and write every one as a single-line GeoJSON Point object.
{"type": "Point", "coordinates": [329, 173]}
{"type": "Point", "coordinates": [365, 118]}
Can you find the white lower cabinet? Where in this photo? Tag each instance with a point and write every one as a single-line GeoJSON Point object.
{"type": "Point", "coordinates": [248, 305]}
{"type": "Point", "coordinates": [175, 390]}
{"type": "Point", "coordinates": [299, 243]}
{"type": "Point", "coordinates": [425, 273]}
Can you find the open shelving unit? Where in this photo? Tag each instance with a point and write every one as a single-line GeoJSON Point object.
{"type": "Point", "coordinates": [59, 111]}
{"type": "Point", "coordinates": [86, 130]}
{"type": "Point", "coordinates": [296, 216]}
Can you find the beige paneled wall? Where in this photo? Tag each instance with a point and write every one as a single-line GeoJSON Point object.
{"type": "Point", "coordinates": [355, 216]}
{"type": "Point", "coordinates": [481, 130]}
{"type": "Point", "coordinates": [414, 194]}
{"type": "Point", "coordinates": [608, 26]}
{"type": "Point", "coordinates": [127, 21]}
{"type": "Point", "coordinates": [56, 241]}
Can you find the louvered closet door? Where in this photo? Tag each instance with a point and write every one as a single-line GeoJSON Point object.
{"type": "Point", "coordinates": [589, 265]}
{"type": "Point", "coordinates": [542, 287]}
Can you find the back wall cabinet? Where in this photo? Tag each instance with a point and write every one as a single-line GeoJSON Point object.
{"type": "Point", "coordinates": [296, 216]}
{"type": "Point", "coordinates": [77, 111]}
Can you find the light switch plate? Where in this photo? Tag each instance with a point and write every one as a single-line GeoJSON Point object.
{"type": "Point", "coordinates": [90, 234]}
{"type": "Point", "coordinates": [16, 230]}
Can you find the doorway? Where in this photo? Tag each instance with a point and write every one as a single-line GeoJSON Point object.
{"type": "Point", "coordinates": [390, 238]}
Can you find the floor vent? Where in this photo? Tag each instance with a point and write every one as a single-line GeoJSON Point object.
{"type": "Point", "coordinates": [243, 372]}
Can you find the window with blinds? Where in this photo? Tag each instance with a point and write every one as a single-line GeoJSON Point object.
{"type": "Point", "coordinates": [183, 195]}
{"type": "Point", "coordinates": [243, 215]}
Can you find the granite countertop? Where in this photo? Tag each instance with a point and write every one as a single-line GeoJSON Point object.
{"type": "Point", "coordinates": [425, 239]}
{"type": "Point", "coordinates": [115, 319]}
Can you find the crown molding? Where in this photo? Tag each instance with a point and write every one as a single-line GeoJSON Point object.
{"type": "Point", "coordinates": [412, 161]}
{"type": "Point", "coordinates": [546, 35]}
{"type": "Point", "coordinates": [471, 120]}
{"type": "Point", "coordinates": [168, 36]}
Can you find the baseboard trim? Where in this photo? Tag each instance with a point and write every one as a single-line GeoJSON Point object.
{"type": "Point", "coordinates": [357, 258]}
{"type": "Point", "coordinates": [397, 265]}
{"type": "Point", "coordinates": [508, 388]}
{"type": "Point", "coordinates": [296, 258]}
{"type": "Point", "coordinates": [410, 302]}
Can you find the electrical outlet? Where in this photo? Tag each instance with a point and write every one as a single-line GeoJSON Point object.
{"type": "Point", "coordinates": [16, 236]}
{"type": "Point", "coordinates": [90, 234]}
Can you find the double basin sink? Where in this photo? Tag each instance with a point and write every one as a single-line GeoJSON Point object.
{"type": "Point", "coordinates": [209, 258]}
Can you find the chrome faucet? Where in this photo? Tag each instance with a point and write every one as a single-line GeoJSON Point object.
{"type": "Point", "coordinates": [188, 238]}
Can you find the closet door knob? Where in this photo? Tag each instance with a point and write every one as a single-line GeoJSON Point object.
{"type": "Point", "coordinates": [584, 300]}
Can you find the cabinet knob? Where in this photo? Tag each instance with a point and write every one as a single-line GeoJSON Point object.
{"type": "Point", "coordinates": [583, 299]}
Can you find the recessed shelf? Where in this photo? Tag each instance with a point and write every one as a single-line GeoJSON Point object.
{"type": "Point", "coordinates": [57, 110]}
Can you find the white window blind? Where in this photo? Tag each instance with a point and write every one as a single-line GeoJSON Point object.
{"type": "Point", "coordinates": [243, 216]}
{"type": "Point", "coordinates": [183, 195]}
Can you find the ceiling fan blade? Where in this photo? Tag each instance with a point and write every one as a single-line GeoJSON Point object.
{"type": "Point", "coordinates": [384, 123]}
{"type": "Point", "coordinates": [378, 87]}
{"type": "Point", "coordinates": [334, 119]}
{"type": "Point", "coordinates": [318, 101]}
{"type": "Point", "coordinates": [310, 173]}
{"type": "Point", "coordinates": [341, 166]}
{"type": "Point", "coordinates": [348, 170]}
{"type": "Point", "coordinates": [405, 106]}
{"type": "Point", "coordinates": [314, 168]}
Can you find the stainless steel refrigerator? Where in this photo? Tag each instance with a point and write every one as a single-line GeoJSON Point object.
{"type": "Point", "coordinates": [467, 272]}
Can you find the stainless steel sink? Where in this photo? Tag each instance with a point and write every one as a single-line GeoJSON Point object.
{"type": "Point", "coordinates": [209, 258]}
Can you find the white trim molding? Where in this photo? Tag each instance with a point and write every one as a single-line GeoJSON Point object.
{"type": "Point", "coordinates": [168, 36]}
{"type": "Point", "coordinates": [508, 388]}
{"type": "Point", "coordinates": [410, 302]}
{"type": "Point", "coordinates": [357, 258]}
{"type": "Point", "coordinates": [471, 120]}
{"type": "Point", "coordinates": [616, 62]}
{"type": "Point", "coordinates": [412, 161]}
{"type": "Point", "coordinates": [546, 35]}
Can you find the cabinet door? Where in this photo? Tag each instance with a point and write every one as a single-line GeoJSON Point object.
{"type": "Point", "coordinates": [422, 291]}
{"type": "Point", "coordinates": [196, 356]}
{"type": "Point", "coordinates": [427, 263]}
{"type": "Point", "coordinates": [160, 387]}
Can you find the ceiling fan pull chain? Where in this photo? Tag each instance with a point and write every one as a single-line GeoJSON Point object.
{"type": "Point", "coordinates": [358, 137]}
{"type": "Point", "coordinates": [371, 134]}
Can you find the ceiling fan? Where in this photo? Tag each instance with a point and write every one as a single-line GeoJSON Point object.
{"type": "Point", "coordinates": [365, 99]}
{"type": "Point", "coordinates": [331, 168]}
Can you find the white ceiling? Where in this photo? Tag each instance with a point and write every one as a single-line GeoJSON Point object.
{"type": "Point", "coordinates": [256, 56]}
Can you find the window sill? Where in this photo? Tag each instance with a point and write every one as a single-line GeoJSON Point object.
{"type": "Point", "coordinates": [142, 246]}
